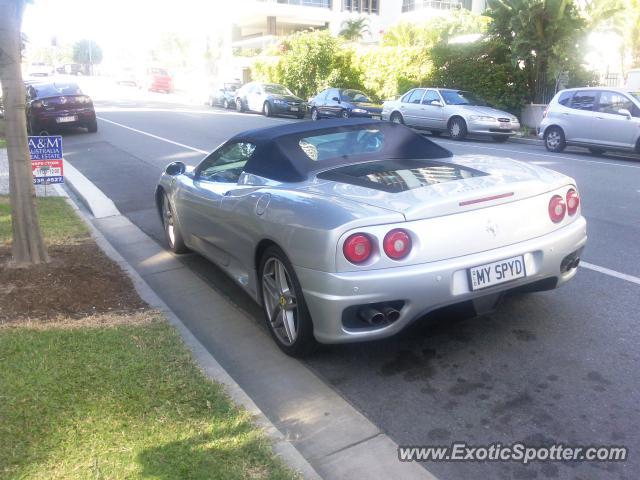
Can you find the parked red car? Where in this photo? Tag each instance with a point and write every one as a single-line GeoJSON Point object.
{"type": "Point", "coordinates": [158, 80]}
{"type": "Point", "coordinates": [50, 105]}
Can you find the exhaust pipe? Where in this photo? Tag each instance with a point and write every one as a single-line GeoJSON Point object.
{"type": "Point", "coordinates": [391, 314]}
{"type": "Point", "coordinates": [372, 316]}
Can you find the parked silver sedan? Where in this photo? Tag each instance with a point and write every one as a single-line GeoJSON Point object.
{"type": "Point", "coordinates": [457, 112]}
{"type": "Point", "coordinates": [349, 230]}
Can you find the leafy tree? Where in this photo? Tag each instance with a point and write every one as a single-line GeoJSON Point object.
{"type": "Point", "coordinates": [353, 30]}
{"type": "Point", "coordinates": [542, 36]}
{"type": "Point", "coordinates": [310, 62]}
{"type": "Point", "coordinates": [27, 245]}
{"type": "Point", "coordinates": [87, 52]}
{"type": "Point", "coordinates": [436, 30]}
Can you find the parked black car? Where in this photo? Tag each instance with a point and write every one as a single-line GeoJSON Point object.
{"type": "Point", "coordinates": [270, 99]}
{"type": "Point", "coordinates": [345, 103]}
{"type": "Point", "coordinates": [50, 105]}
{"type": "Point", "coordinates": [224, 94]}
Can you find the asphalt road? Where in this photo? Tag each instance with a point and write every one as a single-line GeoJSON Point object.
{"type": "Point", "coordinates": [553, 367]}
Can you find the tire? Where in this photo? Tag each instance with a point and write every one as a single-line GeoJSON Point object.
{"type": "Point", "coordinates": [92, 127]}
{"type": "Point", "coordinates": [396, 117]}
{"type": "Point", "coordinates": [436, 133]}
{"type": "Point", "coordinates": [500, 138]}
{"type": "Point", "coordinates": [171, 231]}
{"type": "Point", "coordinates": [266, 110]}
{"type": "Point", "coordinates": [457, 128]}
{"type": "Point", "coordinates": [344, 114]}
{"type": "Point", "coordinates": [225, 104]}
{"type": "Point", "coordinates": [597, 151]}
{"type": "Point", "coordinates": [291, 327]}
{"type": "Point", "coordinates": [239, 105]}
{"type": "Point", "coordinates": [315, 116]}
{"type": "Point", "coordinates": [554, 139]}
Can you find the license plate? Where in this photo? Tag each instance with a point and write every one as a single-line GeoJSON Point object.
{"type": "Point", "coordinates": [505, 125]}
{"type": "Point", "coordinates": [72, 118]}
{"type": "Point", "coordinates": [377, 117]}
{"type": "Point", "coordinates": [495, 273]}
{"type": "Point", "coordinates": [294, 109]}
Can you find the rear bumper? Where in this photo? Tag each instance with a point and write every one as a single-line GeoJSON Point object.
{"type": "Point", "coordinates": [285, 109]}
{"type": "Point", "coordinates": [429, 286]}
{"type": "Point", "coordinates": [50, 119]}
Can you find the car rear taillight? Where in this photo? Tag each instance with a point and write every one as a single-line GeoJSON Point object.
{"type": "Point", "coordinates": [397, 244]}
{"type": "Point", "coordinates": [573, 201]}
{"type": "Point", "coordinates": [557, 208]}
{"type": "Point", "coordinates": [357, 248]}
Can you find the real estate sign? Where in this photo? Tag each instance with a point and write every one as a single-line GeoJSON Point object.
{"type": "Point", "coordinates": [46, 159]}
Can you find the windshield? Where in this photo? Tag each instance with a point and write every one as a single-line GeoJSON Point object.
{"type": "Point", "coordinates": [277, 89]}
{"type": "Point", "coordinates": [354, 96]}
{"type": "Point", "coordinates": [462, 98]}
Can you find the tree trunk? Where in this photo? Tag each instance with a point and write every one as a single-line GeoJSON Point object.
{"type": "Point", "coordinates": [28, 247]}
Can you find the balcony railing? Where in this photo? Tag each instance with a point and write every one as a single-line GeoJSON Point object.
{"type": "Point", "coordinates": [411, 5]}
{"type": "Point", "coordinates": [304, 3]}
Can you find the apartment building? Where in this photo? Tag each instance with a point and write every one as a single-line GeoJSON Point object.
{"type": "Point", "coordinates": [256, 24]}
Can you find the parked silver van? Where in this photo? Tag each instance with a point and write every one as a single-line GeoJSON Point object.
{"type": "Point", "coordinates": [599, 118]}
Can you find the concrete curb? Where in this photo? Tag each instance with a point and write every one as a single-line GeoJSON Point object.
{"type": "Point", "coordinates": [209, 365]}
{"type": "Point", "coordinates": [528, 141]}
{"type": "Point", "coordinates": [91, 196]}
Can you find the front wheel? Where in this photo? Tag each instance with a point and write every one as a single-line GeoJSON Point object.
{"type": "Point", "coordinates": [314, 114]}
{"type": "Point", "coordinates": [266, 109]}
{"type": "Point", "coordinates": [225, 104]}
{"type": "Point", "coordinates": [554, 139]}
{"type": "Point", "coordinates": [344, 114]}
{"type": "Point", "coordinates": [285, 310]}
{"type": "Point", "coordinates": [457, 129]}
{"type": "Point", "coordinates": [397, 118]}
{"type": "Point", "coordinates": [171, 231]}
{"type": "Point", "coordinates": [239, 105]}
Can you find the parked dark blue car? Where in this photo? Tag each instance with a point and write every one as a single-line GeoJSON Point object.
{"type": "Point", "coordinates": [345, 103]}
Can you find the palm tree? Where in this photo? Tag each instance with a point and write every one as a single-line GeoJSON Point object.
{"type": "Point", "coordinates": [353, 30]}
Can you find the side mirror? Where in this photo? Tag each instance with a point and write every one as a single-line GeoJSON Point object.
{"type": "Point", "coordinates": [175, 168]}
{"type": "Point", "coordinates": [624, 112]}
{"type": "Point", "coordinates": [436, 103]}
{"type": "Point", "coordinates": [336, 99]}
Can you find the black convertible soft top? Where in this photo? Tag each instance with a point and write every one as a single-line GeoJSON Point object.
{"type": "Point", "coordinates": [279, 156]}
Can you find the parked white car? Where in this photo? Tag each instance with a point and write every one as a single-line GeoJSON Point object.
{"type": "Point", "coordinates": [458, 112]}
{"type": "Point", "coordinates": [599, 118]}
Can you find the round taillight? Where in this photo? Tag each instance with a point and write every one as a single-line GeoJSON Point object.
{"type": "Point", "coordinates": [397, 244]}
{"type": "Point", "coordinates": [573, 201]}
{"type": "Point", "coordinates": [357, 248]}
{"type": "Point", "coordinates": [557, 208]}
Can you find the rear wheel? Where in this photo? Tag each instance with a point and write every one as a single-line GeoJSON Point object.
{"type": "Point", "coordinates": [596, 151]}
{"type": "Point", "coordinates": [396, 117]}
{"type": "Point", "coordinates": [171, 230]}
{"type": "Point", "coordinates": [285, 310]}
{"type": "Point", "coordinates": [266, 109]}
{"type": "Point", "coordinates": [457, 128]}
{"type": "Point", "coordinates": [314, 114]}
{"type": "Point", "coordinates": [344, 114]}
{"type": "Point", "coordinates": [554, 139]}
{"type": "Point", "coordinates": [225, 103]}
{"type": "Point", "coordinates": [92, 127]}
{"type": "Point", "coordinates": [500, 138]}
{"type": "Point", "coordinates": [239, 105]}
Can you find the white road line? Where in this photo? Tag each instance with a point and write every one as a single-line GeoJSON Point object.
{"type": "Point", "coordinates": [154, 136]}
{"type": "Point", "coordinates": [590, 266]}
{"type": "Point", "coordinates": [611, 273]}
{"type": "Point", "coordinates": [555, 157]}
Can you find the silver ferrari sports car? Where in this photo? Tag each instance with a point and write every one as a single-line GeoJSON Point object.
{"type": "Point", "coordinates": [349, 230]}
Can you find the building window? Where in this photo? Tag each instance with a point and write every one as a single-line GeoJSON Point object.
{"type": "Point", "coordinates": [411, 5]}
{"type": "Point", "coordinates": [305, 3]}
{"type": "Point", "coordinates": [361, 6]}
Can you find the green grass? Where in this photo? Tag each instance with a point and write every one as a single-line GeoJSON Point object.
{"type": "Point", "coordinates": [58, 221]}
{"type": "Point", "coordinates": [119, 402]}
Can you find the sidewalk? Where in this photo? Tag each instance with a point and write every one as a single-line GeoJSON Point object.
{"type": "Point", "coordinates": [337, 441]}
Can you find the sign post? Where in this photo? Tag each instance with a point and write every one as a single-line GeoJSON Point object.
{"type": "Point", "coordinates": [46, 159]}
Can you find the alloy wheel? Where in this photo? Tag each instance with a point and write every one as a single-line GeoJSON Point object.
{"type": "Point", "coordinates": [314, 114]}
{"type": "Point", "coordinates": [280, 301]}
{"type": "Point", "coordinates": [553, 139]}
{"type": "Point", "coordinates": [167, 218]}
